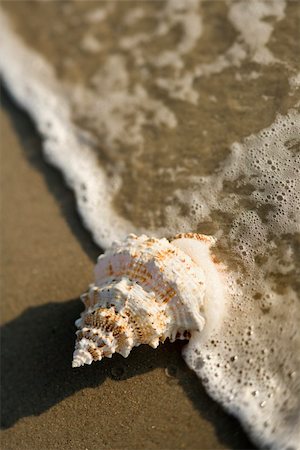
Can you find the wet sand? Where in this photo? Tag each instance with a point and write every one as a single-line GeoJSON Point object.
{"type": "Point", "coordinates": [150, 400]}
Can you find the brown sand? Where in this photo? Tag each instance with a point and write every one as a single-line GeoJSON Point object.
{"type": "Point", "coordinates": [47, 261]}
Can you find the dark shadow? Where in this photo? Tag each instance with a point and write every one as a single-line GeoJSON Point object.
{"type": "Point", "coordinates": [32, 146]}
{"type": "Point", "coordinates": [36, 369]}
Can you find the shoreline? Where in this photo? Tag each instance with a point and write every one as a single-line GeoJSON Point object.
{"type": "Point", "coordinates": [47, 262]}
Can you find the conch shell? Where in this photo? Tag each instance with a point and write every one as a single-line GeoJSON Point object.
{"type": "Point", "coordinates": [147, 290]}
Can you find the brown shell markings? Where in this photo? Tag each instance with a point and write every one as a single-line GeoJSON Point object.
{"type": "Point", "coordinates": [146, 290]}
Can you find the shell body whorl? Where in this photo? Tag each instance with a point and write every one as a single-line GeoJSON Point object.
{"type": "Point", "coordinates": [146, 290]}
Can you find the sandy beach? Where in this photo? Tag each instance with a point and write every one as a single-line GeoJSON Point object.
{"type": "Point", "coordinates": [150, 400]}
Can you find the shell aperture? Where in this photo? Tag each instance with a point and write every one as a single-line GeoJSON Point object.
{"type": "Point", "coordinates": [147, 290]}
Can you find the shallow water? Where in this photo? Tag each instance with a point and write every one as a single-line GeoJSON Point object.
{"type": "Point", "coordinates": [159, 124]}
{"type": "Point", "coordinates": [184, 116]}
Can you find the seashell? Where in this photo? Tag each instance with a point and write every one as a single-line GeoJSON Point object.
{"type": "Point", "coordinates": [147, 290]}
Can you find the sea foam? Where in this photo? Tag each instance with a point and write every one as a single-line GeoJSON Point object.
{"type": "Point", "coordinates": [32, 82]}
{"type": "Point", "coordinates": [251, 363]}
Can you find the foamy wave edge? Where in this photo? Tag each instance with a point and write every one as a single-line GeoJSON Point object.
{"type": "Point", "coordinates": [31, 82]}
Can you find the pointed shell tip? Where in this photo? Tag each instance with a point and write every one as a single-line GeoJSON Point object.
{"type": "Point", "coordinates": [76, 363]}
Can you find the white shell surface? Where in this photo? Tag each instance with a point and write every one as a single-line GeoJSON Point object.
{"type": "Point", "coordinates": [146, 290]}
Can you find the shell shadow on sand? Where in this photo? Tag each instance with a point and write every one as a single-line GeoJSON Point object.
{"type": "Point", "coordinates": [37, 373]}
{"type": "Point", "coordinates": [36, 361]}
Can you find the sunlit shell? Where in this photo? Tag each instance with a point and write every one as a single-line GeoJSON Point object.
{"type": "Point", "coordinates": [147, 290]}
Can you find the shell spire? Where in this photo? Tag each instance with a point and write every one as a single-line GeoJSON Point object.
{"type": "Point", "coordinates": [146, 290]}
